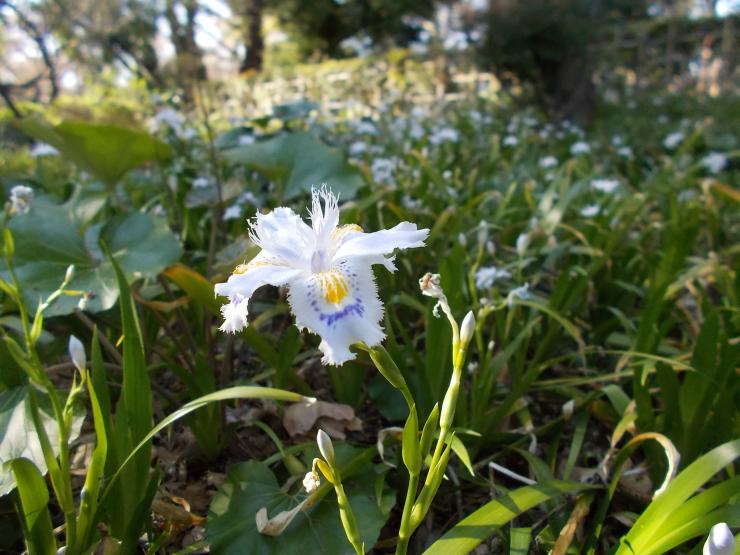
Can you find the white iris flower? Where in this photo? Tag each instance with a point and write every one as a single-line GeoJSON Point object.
{"type": "Point", "coordinates": [327, 269]}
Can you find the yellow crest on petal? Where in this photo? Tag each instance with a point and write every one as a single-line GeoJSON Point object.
{"type": "Point", "coordinates": [342, 230]}
{"type": "Point", "coordinates": [334, 285]}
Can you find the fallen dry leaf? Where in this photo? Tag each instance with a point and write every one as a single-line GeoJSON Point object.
{"type": "Point", "coordinates": [335, 419]}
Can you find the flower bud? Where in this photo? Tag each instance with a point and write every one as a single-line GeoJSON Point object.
{"type": "Point", "coordinates": [325, 447]}
{"type": "Point", "coordinates": [522, 242]}
{"type": "Point", "coordinates": [467, 329]}
{"type": "Point", "coordinates": [70, 273]}
{"type": "Point", "coordinates": [720, 541]}
{"type": "Point", "coordinates": [77, 353]}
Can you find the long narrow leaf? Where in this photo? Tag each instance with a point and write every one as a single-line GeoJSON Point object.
{"type": "Point", "coordinates": [649, 526]}
{"type": "Point", "coordinates": [238, 392]}
{"type": "Point", "coordinates": [477, 527]}
{"type": "Point", "coordinates": [34, 499]}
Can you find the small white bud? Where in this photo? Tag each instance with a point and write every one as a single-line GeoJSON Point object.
{"type": "Point", "coordinates": [482, 233]}
{"type": "Point", "coordinates": [462, 240]}
{"type": "Point", "coordinates": [467, 329]}
{"type": "Point", "coordinates": [568, 409]}
{"type": "Point", "coordinates": [720, 541]}
{"type": "Point", "coordinates": [491, 345]}
{"type": "Point", "coordinates": [490, 248]}
{"type": "Point", "coordinates": [522, 242]}
{"type": "Point", "coordinates": [77, 353]}
{"type": "Point", "coordinates": [70, 273]}
{"type": "Point", "coordinates": [325, 447]}
{"type": "Point", "coordinates": [311, 482]}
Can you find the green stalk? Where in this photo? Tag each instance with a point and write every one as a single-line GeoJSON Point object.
{"type": "Point", "coordinates": [405, 531]}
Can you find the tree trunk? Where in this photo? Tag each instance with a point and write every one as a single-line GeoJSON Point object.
{"type": "Point", "coordinates": [189, 62]}
{"type": "Point", "coordinates": [253, 41]}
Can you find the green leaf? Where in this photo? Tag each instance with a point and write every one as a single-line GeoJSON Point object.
{"type": "Point", "coordinates": [89, 501]}
{"type": "Point", "coordinates": [251, 485]}
{"type": "Point", "coordinates": [298, 161]}
{"type": "Point", "coordinates": [237, 392]}
{"type": "Point", "coordinates": [106, 151]}
{"type": "Point", "coordinates": [35, 519]}
{"type": "Point", "coordinates": [410, 450]}
{"type": "Point", "coordinates": [649, 528]}
{"type": "Point", "coordinates": [48, 239]}
{"type": "Point", "coordinates": [477, 527]}
{"type": "Point", "coordinates": [133, 417]}
{"type": "Point", "coordinates": [18, 438]}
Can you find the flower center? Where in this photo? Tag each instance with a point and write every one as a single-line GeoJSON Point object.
{"type": "Point", "coordinates": [334, 286]}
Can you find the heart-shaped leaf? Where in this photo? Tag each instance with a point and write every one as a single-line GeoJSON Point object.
{"type": "Point", "coordinates": [106, 151]}
{"type": "Point", "coordinates": [251, 485]}
{"type": "Point", "coordinates": [298, 161]}
{"type": "Point", "coordinates": [18, 438]}
{"type": "Point", "coordinates": [48, 239]}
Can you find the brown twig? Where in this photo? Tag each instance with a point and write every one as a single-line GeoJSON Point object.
{"type": "Point", "coordinates": [107, 345]}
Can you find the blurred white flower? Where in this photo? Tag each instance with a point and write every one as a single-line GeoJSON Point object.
{"type": "Point", "coordinates": [720, 541]}
{"type": "Point", "coordinates": [590, 211]}
{"type": "Point", "coordinates": [547, 162]}
{"type": "Point", "coordinates": [233, 212]}
{"type": "Point", "coordinates": [327, 269]}
{"type": "Point", "coordinates": [580, 147]}
{"type": "Point", "coordinates": [673, 140]}
{"type": "Point", "coordinates": [518, 293]}
{"type": "Point", "coordinates": [20, 199]}
{"type": "Point", "coordinates": [365, 127]}
{"type": "Point", "coordinates": [382, 169]}
{"type": "Point", "coordinates": [411, 203]}
{"type": "Point", "coordinates": [168, 117]}
{"type": "Point", "coordinates": [416, 131]}
{"type": "Point", "coordinates": [43, 149]}
{"type": "Point", "coordinates": [604, 185]}
{"type": "Point", "coordinates": [715, 162]}
{"type": "Point", "coordinates": [625, 152]}
{"type": "Point", "coordinates": [245, 140]}
{"type": "Point", "coordinates": [485, 277]}
{"type": "Point", "coordinates": [444, 135]}
{"type": "Point", "coordinates": [522, 242]}
{"type": "Point", "coordinates": [201, 182]}
{"type": "Point", "coordinates": [357, 148]}
{"type": "Point", "coordinates": [510, 140]}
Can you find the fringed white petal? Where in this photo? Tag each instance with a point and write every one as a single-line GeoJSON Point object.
{"type": "Point", "coordinates": [341, 305]}
{"type": "Point", "coordinates": [323, 221]}
{"type": "Point", "coordinates": [262, 270]}
{"type": "Point", "coordinates": [404, 236]}
{"type": "Point", "coordinates": [283, 234]}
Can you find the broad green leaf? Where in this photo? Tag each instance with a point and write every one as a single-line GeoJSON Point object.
{"type": "Point", "coordinates": [106, 151]}
{"type": "Point", "coordinates": [34, 498]}
{"type": "Point", "coordinates": [294, 110]}
{"type": "Point", "coordinates": [477, 527]}
{"type": "Point", "coordinates": [298, 161]}
{"type": "Point", "coordinates": [251, 485]}
{"type": "Point", "coordinates": [48, 239]}
{"type": "Point", "coordinates": [18, 438]}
